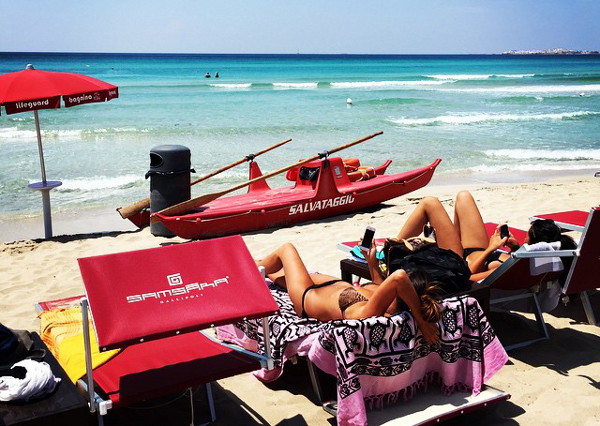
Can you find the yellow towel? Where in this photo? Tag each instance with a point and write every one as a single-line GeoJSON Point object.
{"type": "Point", "coordinates": [62, 331]}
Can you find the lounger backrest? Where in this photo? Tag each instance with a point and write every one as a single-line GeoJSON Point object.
{"type": "Point", "coordinates": [584, 274]}
{"type": "Point", "coordinates": [574, 220]}
{"type": "Point", "coordinates": [149, 294]}
{"type": "Point", "coordinates": [514, 274]}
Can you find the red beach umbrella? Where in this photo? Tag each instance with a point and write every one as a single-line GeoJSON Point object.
{"type": "Point", "coordinates": [31, 90]}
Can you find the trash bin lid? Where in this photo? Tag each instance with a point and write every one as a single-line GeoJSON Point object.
{"type": "Point", "coordinates": [169, 159]}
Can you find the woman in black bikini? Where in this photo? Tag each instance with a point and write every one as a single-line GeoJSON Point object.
{"type": "Point", "coordinates": [327, 298]}
{"type": "Point", "coordinates": [467, 236]}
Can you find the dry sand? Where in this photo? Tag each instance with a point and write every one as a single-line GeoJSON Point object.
{"type": "Point", "coordinates": [551, 382]}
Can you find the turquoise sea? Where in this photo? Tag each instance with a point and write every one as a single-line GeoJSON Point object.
{"type": "Point", "coordinates": [492, 118]}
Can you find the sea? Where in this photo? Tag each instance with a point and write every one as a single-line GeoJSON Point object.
{"type": "Point", "coordinates": [490, 118]}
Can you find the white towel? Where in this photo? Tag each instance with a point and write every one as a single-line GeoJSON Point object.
{"type": "Point", "coordinates": [542, 246]}
{"type": "Point", "coordinates": [538, 266]}
{"type": "Point", "coordinates": [38, 382]}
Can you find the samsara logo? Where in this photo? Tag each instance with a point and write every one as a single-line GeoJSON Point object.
{"type": "Point", "coordinates": [177, 291]}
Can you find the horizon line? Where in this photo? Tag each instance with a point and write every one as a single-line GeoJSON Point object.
{"type": "Point", "coordinates": [504, 53]}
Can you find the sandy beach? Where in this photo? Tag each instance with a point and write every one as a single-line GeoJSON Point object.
{"type": "Point", "coordinates": [551, 382]}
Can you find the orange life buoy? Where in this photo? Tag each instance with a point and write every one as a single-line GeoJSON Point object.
{"type": "Point", "coordinates": [351, 164]}
{"type": "Point", "coordinates": [362, 173]}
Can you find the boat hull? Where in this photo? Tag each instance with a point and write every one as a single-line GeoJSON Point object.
{"type": "Point", "coordinates": [331, 195]}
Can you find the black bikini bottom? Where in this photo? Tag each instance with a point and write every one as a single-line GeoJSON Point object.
{"type": "Point", "coordinates": [492, 257]}
{"type": "Point", "coordinates": [312, 287]}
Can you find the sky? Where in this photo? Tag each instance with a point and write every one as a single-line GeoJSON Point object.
{"type": "Point", "coordinates": [293, 26]}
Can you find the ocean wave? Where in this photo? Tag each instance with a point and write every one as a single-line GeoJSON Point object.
{"type": "Point", "coordinates": [395, 101]}
{"type": "Point", "coordinates": [20, 133]}
{"type": "Point", "coordinates": [393, 83]}
{"type": "Point", "coordinates": [555, 155]}
{"type": "Point", "coordinates": [232, 86]}
{"type": "Point", "coordinates": [527, 167]}
{"type": "Point", "coordinates": [13, 133]}
{"type": "Point", "coordinates": [16, 133]}
{"type": "Point", "coordinates": [459, 77]}
{"type": "Point", "coordinates": [311, 85]}
{"type": "Point", "coordinates": [525, 99]}
{"type": "Point", "coordinates": [484, 117]}
{"type": "Point", "coordinates": [563, 88]}
{"type": "Point", "coordinates": [96, 183]}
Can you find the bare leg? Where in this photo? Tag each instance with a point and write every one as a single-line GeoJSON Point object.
{"type": "Point", "coordinates": [431, 210]}
{"type": "Point", "coordinates": [296, 279]}
{"type": "Point", "coordinates": [468, 221]}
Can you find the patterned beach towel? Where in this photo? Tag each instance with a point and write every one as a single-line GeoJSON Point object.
{"type": "Point", "coordinates": [381, 360]}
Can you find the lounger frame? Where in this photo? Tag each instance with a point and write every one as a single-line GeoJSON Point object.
{"type": "Point", "coordinates": [514, 274]}
{"type": "Point", "coordinates": [583, 275]}
{"type": "Point", "coordinates": [215, 305]}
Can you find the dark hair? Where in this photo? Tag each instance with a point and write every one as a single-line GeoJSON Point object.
{"type": "Point", "coordinates": [548, 231]}
{"type": "Point", "coordinates": [428, 292]}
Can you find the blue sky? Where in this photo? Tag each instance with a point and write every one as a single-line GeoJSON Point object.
{"type": "Point", "coordinates": [308, 26]}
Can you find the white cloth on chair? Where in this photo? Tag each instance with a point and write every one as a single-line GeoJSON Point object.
{"type": "Point", "coordinates": [543, 265]}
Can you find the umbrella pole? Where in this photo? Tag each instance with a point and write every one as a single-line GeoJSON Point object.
{"type": "Point", "coordinates": [44, 189]}
{"type": "Point", "coordinates": [39, 140]}
{"type": "Point", "coordinates": [47, 213]}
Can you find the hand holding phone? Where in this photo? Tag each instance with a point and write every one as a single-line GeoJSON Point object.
{"type": "Point", "coordinates": [504, 233]}
{"type": "Point", "coordinates": [367, 239]}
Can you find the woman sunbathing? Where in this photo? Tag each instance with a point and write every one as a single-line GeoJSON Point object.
{"type": "Point", "coordinates": [327, 298]}
{"type": "Point", "coordinates": [467, 235]}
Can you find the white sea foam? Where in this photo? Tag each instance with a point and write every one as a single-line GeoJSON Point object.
{"type": "Point", "coordinates": [580, 88]}
{"type": "Point", "coordinates": [483, 117]}
{"type": "Point", "coordinates": [98, 183]}
{"type": "Point", "coordinates": [16, 133]}
{"type": "Point", "coordinates": [115, 130]}
{"type": "Point", "coordinates": [476, 76]}
{"type": "Point", "coordinates": [393, 83]}
{"type": "Point", "coordinates": [232, 86]}
{"type": "Point", "coordinates": [312, 85]}
{"type": "Point", "coordinates": [556, 155]}
{"type": "Point", "coordinates": [529, 167]}
{"type": "Point", "coordinates": [24, 133]}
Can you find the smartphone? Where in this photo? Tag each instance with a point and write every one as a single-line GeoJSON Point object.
{"type": "Point", "coordinates": [367, 239]}
{"type": "Point", "coordinates": [504, 231]}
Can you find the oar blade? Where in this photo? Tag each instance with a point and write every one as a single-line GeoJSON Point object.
{"type": "Point", "coordinates": [188, 205]}
{"type": "Point", "coordinates": [133, 209]}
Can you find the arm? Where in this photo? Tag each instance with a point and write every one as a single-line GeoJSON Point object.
{"type": "Point", "coordinates": [477, 259]}
{"type": "Point", "coordinates": [481, 275]}
{"type": "Point", "coordinates": [512, 243]}
{"type": "Point", "coordinates": [398, 285]}
{"type": "Point", "coordinates": [374, 269]}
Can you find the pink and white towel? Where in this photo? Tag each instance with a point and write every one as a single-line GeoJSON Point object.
{"type": "Point", "coordinates": [381, 360]}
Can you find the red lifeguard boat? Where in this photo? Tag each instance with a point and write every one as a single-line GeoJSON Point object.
{"type": "Point", "coordinates": [322, 189]}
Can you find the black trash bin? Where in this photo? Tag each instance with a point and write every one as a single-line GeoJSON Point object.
{"type": "Point", "coordinates": [169, 173]}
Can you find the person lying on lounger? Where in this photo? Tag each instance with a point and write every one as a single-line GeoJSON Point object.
{"type": "Point", "coordinates": [467, 236]}
{"type": "Point", "coordinates": [326, 298]}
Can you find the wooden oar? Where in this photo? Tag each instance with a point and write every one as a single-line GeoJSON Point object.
{"type": "Point", "coordinates": [140, 205]}
{"type": "Point", "coordinates": [203, 199]}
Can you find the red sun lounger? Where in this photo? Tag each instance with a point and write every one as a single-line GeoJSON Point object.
{"type": "Point", "coordinates": [583, 275]}
{"type": "Point", "coordinates": [515, 280]}
{"type": "Point", "coordinates": [572, 220]}
{"type": "Point", "coordinates": [153, 302]}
